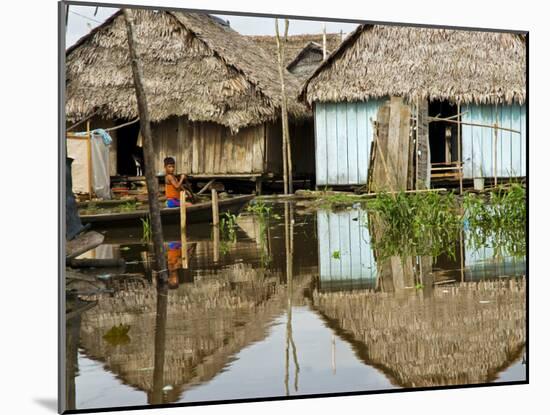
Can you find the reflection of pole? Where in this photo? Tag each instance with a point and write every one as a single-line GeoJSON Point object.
{"type": "Point", "coordinates": [289, 246]}
{"type": "Point", "coordinates": [71, 362]}
{"type": "Point", "coordinates": [149, 158]}
{"type": "Point", "coordinates": [160, 345]}
{"type": "Point", "coordinates": [333, 344]}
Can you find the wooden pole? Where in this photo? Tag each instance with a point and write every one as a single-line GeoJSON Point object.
{"type": "Point", "coordinates": [215, 208]}
{"type": "Point", "coordinates": [89, 154]}
{"type": "Point", "coordinates": [495, 134]}
{"type": "Point", "coordinates": [459, 134]}
{"type": "Point", "coordinates": [216, 238]}
{"type": "Point", "coordinates": [148, 155]}
{"type": "Point", "coordinates": [324, 41]}
{"type": "Point", "coordinates": [287, 169]}
{"type": "Point", "coordinates": [183, 228]}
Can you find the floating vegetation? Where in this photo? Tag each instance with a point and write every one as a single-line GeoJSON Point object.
{"type": "Point", "coordinates": [428, 223]}
{"type": "Point", "coordinates": [147, 233]}
{"type": "Point", "coordinates": [117, 335]}
{"type": "Point", "coordinates": [228, 227]}
{"type": "Point", "coordinates": [336, 254]}
{"type": "Point", "coordinates": [498, 221]}
{"type": "Point", "coordinates": [264, 213]}
{"type": "Point", "coordinates": [129, 206]}
{"type": "Point", "coordinates": [414, 224]}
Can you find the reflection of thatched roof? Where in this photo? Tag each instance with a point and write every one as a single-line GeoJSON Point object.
{"type": "Point", "coordinates": [457, 65]}
{"type": "Point", "coordinates": [193, 66]}
{"type": "Point", "coordinates": [461, 335]}
{"type": "Point", "coordinates": [207, 323]}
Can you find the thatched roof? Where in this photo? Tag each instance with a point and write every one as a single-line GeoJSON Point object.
{"type": "Point", "coordinates": [193, 66]}
{"type": "Point", "coordinates": [457, 65]}
{"type": "Point", "coordinates": [462, 334]}
{"type": "Point", "coordinates": [296, 44]}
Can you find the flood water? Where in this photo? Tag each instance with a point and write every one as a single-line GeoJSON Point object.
{"type": "Point", "coordinates": [294, 303]}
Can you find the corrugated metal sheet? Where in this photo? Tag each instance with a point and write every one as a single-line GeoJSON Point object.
{"type": "Point", "coordinates": [478, 142]}
{"type": "Point", "coordinates": [343, 136]}
{"type": "Point", "coordinates": [344, 232]}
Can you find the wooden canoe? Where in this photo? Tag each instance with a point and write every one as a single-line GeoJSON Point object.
{"type": "Point", "coordinates": [199, 212]}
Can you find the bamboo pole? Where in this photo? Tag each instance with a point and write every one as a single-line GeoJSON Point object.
{"type": "Point", "coordinates": [183, 229]}
{"type": "Point", "coordinates": [460, 148]}
{"type": "Point", "coordinates": [215, 208]}
{"type": "Point", "coordinates": [495, 134]}
{"type": "Point", "coordinates": [89, 153]}
{"type": "Point", "coordinates": [216, 243]}
{"type": "Point", "coordinates": [474, 124]}
{"type": "Point", "coordinates": [287, 169]}
{"type": "Point", "coordinates": [324, 41]}
{"type": "Point", "coordinates": [149, 159]}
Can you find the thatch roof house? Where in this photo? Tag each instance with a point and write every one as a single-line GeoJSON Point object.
{"type": "Point", "coordinates": [479, 74]}
{"type": "Point", "coordinates": [303, 53]}
{"type": "Point", "coordinates": [214, 95]}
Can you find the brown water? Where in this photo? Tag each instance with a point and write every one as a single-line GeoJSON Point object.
{"type": "Point", "coordinates": [292, 307]}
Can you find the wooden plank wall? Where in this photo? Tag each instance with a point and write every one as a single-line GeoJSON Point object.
{"type": "Point", "coordinates": [343, 136]}
{"type": "Point", "coordinates": [477, 142]}
{"type": "Point", "coordinates": [209, 149]}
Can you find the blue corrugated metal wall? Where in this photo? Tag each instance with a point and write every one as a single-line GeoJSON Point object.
{"type": "Point", "coordinates": [343, 136]}
{"type": "Point", "coordinates": [478, 142]}
{"type": "Point", "coordinates": [345, 233]}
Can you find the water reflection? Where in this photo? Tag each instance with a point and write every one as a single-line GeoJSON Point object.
{"type": "Point", "coordinates": [301, 302]}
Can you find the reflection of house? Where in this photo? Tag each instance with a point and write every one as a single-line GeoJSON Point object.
{"type": "Point", "coordinates": [346, 258]}
{"type": "Point", "coordinates": [479, 74]}
{"type": "Point", "coordinates": [214, 95]}
{"type": "Point", "coordinates": [206, 323]}
{"type": "Point", "coordinates": [462, 334]}
{"type": "Point", "coordinates": [194, 349]}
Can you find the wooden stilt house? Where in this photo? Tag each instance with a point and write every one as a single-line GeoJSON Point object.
{"type": "Point", "coordinates": [213, 95]}
{"type": "Point", "coordinates": [474, 80]}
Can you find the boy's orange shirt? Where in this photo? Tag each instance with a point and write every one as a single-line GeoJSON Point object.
{"type": "Point", "coordinates": [170, 190]}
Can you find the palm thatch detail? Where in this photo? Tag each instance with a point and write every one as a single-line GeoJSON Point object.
{"type": "Point", "coordinates": [193, 66]}
{"type": "Point", "coordinates": [426, 63]}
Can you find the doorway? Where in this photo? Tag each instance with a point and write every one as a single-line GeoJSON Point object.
{"type": "Point", "coordinates": [443, 135]}
{"type": "Point", "coordinates": [127, 149]}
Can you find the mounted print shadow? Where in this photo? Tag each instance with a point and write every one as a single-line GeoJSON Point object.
{"type": "Point", "coordinates": [272, 207]}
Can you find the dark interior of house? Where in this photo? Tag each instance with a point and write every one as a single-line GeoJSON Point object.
{"type": "Point", "coordinates": [127, 150]}
{"type": "Point", "coordinates": [443, 135]}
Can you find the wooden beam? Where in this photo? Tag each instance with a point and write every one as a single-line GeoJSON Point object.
{"type": "Point", "coordinates": [205, 187]}
{"type": "Point", "coordinates": [148, 151]}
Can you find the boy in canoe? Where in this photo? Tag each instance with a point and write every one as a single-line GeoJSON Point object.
{"type": "Point", "coordinates": [173, 186]}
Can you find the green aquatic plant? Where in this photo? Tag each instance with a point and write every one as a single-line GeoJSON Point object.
{"type": "Point", "coordinates": [414, 224]}
{"type": "Point", "coordinates": [129, 206]}
{"type": "Point", "coordinates": [117, 335]}
{"type": "Point", "coordinates": [498, 220]}
{"type": "Point", "coordinates": [259, 208]}
{"type": "Point", "coordinates": [336, 254]}
{"type": "Point", "coordinates": [147, 233]}
{"type": "Point", "coordinates": [228, 226]}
